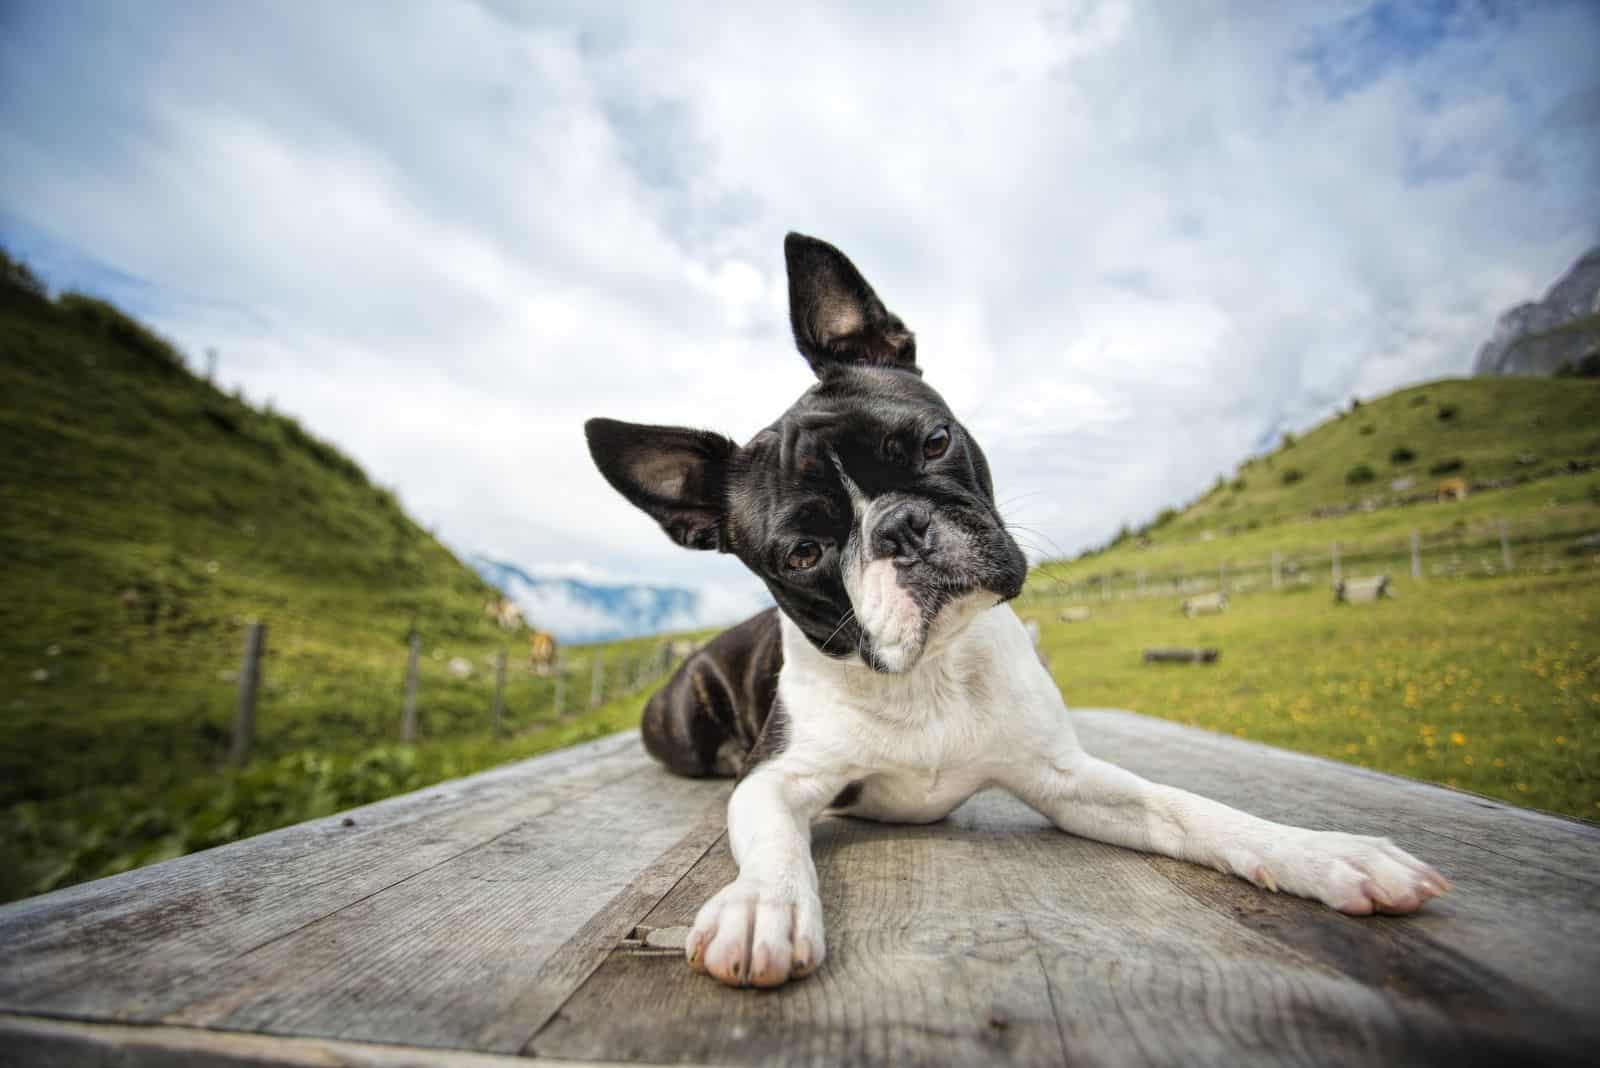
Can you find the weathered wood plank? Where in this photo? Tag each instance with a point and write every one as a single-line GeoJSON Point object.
{"type": "Point", "coordinates": [444, 958]}
{"type": "Point", "coordinates": [120, 948]}
{"type": "Point", "coordinates": [1527, 884]}
{"type": "Point", "coordinates": [42, 1043]}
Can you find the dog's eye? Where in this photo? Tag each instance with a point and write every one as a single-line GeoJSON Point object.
{"type": "Point", "coordinates": [804, 556]}
{"type": "Point", "coordinates": [938, 443]}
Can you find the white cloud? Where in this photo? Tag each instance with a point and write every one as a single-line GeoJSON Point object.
{"type": "Point", "coordinates": [1133, 239]}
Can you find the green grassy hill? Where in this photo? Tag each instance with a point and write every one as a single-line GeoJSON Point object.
{"type": "Point", "coordinates": [1479, 429]}
{"type": "Point", "coordinates": [148, 517]}
{"type": "Point", "coordinates": [1477, 675]}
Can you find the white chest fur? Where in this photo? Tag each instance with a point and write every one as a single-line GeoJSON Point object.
{"type": "Point", "coordinates": [922, 741]}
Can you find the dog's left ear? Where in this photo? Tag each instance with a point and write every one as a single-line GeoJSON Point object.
{"type": "Point", "coordinates": [678, 477]}
{"type": "Point", "coordinates": [836, 316]}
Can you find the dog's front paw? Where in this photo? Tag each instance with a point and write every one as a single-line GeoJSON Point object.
{"type": "Point", "coordinates": [755, 933]}
{"type": "Point", "coordinates": [1350, 872]}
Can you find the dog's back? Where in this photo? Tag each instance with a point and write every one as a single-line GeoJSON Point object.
{"type": "Point", "coordinates": [708, 717]}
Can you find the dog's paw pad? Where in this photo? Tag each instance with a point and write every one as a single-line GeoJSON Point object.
{"type": "Point", "coordinates": [756, 934]}
{"type": "Point", "coordinates": [1360, 876]}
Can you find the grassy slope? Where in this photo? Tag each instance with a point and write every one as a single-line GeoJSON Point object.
{"type": "Point", "coordinates": [1471, 677]}
{"type": "Point", "coordinates": [1496, 421]}
{"type": "Point", "coordinates": [145, 517]}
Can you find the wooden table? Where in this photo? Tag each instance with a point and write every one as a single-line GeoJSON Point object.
{"type": "Point", "coordinates": [492, 918]}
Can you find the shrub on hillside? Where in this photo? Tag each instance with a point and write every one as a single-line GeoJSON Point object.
{"type": "Point", "coordinates": [1447, 412]}
{"type": "Point", "coordinates": [1292, 475]}
{"type": "Point", "coordinates": [1239, 485]}
{"type": "Point", "coordinates": [1419, 400]}
{"type": "Point", "coordinates": [1368, 430]}
{"type": "Point", "coordinates": [1402, 455]}
{"type": "Point", "coordinates": [1587, 367]}
{"type": "Point", "coordinates": [1444, 467]}
{"type": "Point", "coordinates": [18, 277]}
{"type": "Point", "coordinates": [1288, 440]}
{"type": "Point", "coordinates": [1360, 473]}
{"type": "Point", "coordinates": [109, 321]}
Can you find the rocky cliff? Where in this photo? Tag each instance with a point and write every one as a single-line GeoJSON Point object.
{"type": "Point", "coordinates": [1539, 337]}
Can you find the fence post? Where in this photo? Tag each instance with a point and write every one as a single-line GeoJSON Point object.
{"type": "Point", "coordinates": [1505, 546]}
{"type": "Point", "coordinates": [499, 690]}
{"type": "Point", "coordinates": [597, 683]}
{"type": "Point", "coordinates": [408, 722]}
{"type": "Point", "coordinates": [244, 713]}
{"type": "Point", "coordinates": [561, 683]}
{"type": "Point", "coordinates": [1416, 555]}
{"type": "Point", "coordinates": [1277, 570]}
{"type": "Point", "coordinates": [1336, 573]}
{"type": "Point", "coordinates": [1222, 578]}
{"type": "Point", "coordinates": [1141, 582]}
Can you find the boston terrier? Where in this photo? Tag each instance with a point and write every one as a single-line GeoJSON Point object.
{"type": "Point", "coordinates": [892, 681]}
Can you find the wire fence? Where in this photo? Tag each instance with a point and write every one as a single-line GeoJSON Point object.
{"type": "Point", "coordinates": [150, 698]}
{"type": "Point", "coordinates": [514, 697]}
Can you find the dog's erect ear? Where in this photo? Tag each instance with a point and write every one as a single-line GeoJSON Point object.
{"type": "Point", "coordinates": [676, 476]}
{"type": "Point", "coordinates": [836, 316]}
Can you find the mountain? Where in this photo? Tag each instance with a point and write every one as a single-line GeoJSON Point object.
{"type": "Point", "coordinates": [578, 611]}
{"type": "Point", "coordinates": [1541, 337]}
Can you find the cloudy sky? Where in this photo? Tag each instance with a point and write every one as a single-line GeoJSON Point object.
{"type": "Point", "coordinates": [1136, 241]}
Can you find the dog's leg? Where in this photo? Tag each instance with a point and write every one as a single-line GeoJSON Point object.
{"type": "Point", "coordinates": [766, 926]}
{"type": "Point", "coordinates": [1352, 873]}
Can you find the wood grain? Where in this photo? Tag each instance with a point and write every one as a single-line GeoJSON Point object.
{"type": "Point", "coordinates": [1526, 903]}
{"type": "Point", "coordinates": [46, 1043]}
{"type": "Point", "coordinates": [449, 956]}
{"type": "Point", "coordinates": [120, 948]}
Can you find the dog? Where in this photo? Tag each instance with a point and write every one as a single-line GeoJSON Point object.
{"type": "Point", "coordinates": [892, 681]}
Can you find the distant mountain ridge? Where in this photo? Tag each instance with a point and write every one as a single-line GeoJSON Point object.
{"type": "Point", "coordinates": [1540, 337]}
{"type": "Point", "coordinates": [578, 611]}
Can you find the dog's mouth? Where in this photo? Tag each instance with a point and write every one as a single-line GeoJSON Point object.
{"type": "Point", "coordinates": [906, 609]}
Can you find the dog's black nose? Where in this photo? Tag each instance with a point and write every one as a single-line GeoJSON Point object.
{"type": "Point", "coordinates": [903, 533]}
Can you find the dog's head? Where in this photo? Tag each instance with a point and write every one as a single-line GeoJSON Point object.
{"type": "Point", "coordinates": [867, 508]}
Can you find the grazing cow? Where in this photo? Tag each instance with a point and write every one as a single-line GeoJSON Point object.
{"type": "Point", "coordinates": [1206, 604]}
{"type": "Point", "coordinates": [504, 612]}
{"type": "Point", "coordinates": [542, 652]}
{"type": "Point", "coordinates": [1075, 614]}
{"type": "Point", "coordinates": [1453, 489]}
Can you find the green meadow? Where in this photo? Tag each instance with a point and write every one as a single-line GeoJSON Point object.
{"type": "Point", "coordinates": [1489, 684]}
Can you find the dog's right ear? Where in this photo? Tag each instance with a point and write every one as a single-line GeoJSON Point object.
{"type": "Point", "coordinates": [837, 318]}
{"type": "Point", "coordinates": [676, 476]}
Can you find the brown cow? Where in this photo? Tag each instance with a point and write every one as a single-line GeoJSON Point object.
{"type": "Point", "coordinates": [1453, 489]}
{"type": "Point", "coordinates": [542, 652]}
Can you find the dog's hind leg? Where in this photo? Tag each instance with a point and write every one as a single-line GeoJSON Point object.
{"type": "Point", "coordinates": [706, 719]}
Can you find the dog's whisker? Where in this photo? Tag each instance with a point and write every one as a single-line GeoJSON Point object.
{"type": "Point", "coordinates": [848, 616]}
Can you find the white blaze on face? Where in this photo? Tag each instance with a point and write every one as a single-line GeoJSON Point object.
{"type": "Point", "coordinates": [884, 609]}
{"type": "Point", "coordinates": [889, 615]}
